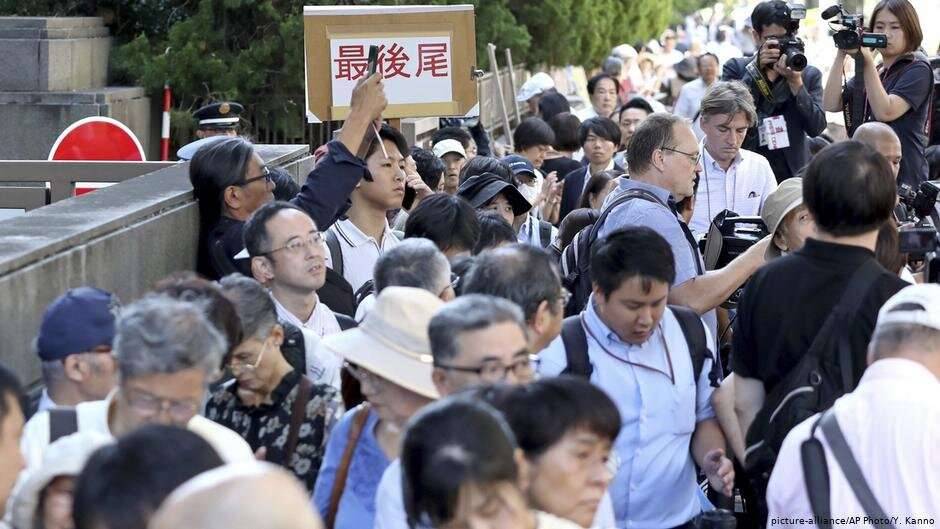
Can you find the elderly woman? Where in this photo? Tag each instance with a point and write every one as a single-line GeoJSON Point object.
{"type": "Point", "coordinates": [389, 354]}
{"type": "Point", "coordinates": [283, 415]}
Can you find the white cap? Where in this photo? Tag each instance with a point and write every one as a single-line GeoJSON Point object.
{"type": "Point", "coordinates": [445, 146]}
{"type": "Point", "coordinates": [536, 84]}
{"type": "Point", "coordinates": [917, 304]}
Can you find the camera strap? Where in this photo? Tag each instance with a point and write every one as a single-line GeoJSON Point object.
{"type": "Point", "coordinates": [760, 79]}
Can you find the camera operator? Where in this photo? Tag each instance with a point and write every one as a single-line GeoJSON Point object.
{"type": "Point", "coordinates": [897, 92]}
{"type": "Point", "coordinates": [779, 90]}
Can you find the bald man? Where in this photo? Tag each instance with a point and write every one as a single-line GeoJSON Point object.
{"type": "Point", "coordinates": [238, 496]}
{"type": "Point", "coordinates": [882, 139]}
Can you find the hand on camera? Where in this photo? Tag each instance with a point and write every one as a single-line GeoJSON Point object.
{"type": "Point", "coordinates": [792, 76]}
{"type": "Point", "coordinates": [769, 53]}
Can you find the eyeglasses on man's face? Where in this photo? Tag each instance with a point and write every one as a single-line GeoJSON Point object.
{"type": "Point", "coordinates": [300, 245]}
{"type": "Point", "coordinates": [523, 367]}
{"type": "Point", "coordinates": [693, 157]}
{"type": "Point", "coordinates": [265, 174]}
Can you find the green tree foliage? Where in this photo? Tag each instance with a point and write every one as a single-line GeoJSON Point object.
{"type": "Point", "coordinates": [251, 50]}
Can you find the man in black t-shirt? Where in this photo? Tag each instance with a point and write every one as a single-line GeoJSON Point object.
{"type": "Point", "coordinates": [786, 303]}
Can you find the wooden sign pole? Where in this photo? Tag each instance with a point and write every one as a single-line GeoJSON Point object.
{"type": "Point", "coordinates": [491, 48]}
{"type": "Point", "coordinates": [512, 86]}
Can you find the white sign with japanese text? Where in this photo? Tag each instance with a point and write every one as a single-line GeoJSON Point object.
{"type": "Point", "coordinates": [416, 69]}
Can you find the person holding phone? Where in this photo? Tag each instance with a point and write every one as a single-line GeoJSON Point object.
{"type": "Point", "coordinates": [897, 92]}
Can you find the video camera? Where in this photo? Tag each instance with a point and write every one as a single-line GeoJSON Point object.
{"type": "Point", "coordinates": [729, 236]}
{"type": "Point", "coordinates": [922, 241]}
{"type": "Point", "coordinates": [852, 35]}
{"type": "Point", "coordinates": [922, 201]}
{"type": "Point", "coordinates": [789, 16]}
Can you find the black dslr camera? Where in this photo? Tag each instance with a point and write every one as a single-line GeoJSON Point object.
{"type": "Point", "coordinates": [789, 16]}
{"type": "Point", "coordinates": [922, 241]}
{"type": "Point", "coordinates": [920, 202]}
{"type": "Point", "coordinates": [852, 35]}
{"type": "Point", "coordinates": [729, 236]}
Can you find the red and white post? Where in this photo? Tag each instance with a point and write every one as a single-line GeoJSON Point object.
{"type": "Point", "coordinates": [165, 129]}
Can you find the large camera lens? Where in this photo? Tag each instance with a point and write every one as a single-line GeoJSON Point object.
{"type": "Point", "coordinates": [796, 62]}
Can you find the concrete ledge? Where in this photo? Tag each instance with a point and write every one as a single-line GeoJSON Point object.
{"type": "Point", "coordinates": [122, 238]}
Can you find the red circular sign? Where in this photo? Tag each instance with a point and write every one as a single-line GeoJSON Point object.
{"type": "Point", "coordinates": [97, 138]}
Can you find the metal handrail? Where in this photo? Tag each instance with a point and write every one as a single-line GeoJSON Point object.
{"type": "Point", "coordinates": [61, 176]}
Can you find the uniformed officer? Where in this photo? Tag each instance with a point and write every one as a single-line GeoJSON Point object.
{"type": "Point", "coordinates": [215, 121]}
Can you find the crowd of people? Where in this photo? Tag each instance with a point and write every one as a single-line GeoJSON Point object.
{"type": "Point", "coordinates": [440, 338]}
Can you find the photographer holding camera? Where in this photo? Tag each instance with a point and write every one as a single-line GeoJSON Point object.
{"type": "Point", "coordinates": [787, 92]}
{"type": "Point", "coordinates": [897, 92]}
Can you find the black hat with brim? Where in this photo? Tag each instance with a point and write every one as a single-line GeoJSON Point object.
{"type": "Point", "coordinates": [479, 190]}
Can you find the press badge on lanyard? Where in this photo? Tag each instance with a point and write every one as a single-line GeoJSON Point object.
{"type": "Point", "coordinates": [773, 133]}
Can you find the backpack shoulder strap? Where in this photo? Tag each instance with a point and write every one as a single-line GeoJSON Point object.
{"type": "Point", "coordinates": [816, 478]}
{"type": "Point", "coordinates": [545, 233]}
{"type": "Point", "coordinates": [367, 288]}
{"type": "Point", "coordinates": [62, 421]}
{"type": "Point", "coordinates": [297, 416]}
{"type": "Point", "coordinates": [621, 199]}
{"type": "Point", "coordinates": [694, 330]}
{"type": "Point", "coordinates": [336, 251]}
{"type": "Point", "coordinates": [345, 322]}
{"type": "Point", "coordinates": [342, 471]}
{"type": "Point", "coordinates": [574, 339]}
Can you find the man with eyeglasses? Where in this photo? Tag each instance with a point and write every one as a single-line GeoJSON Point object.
{"type": "Point", "coordinates": [167, 354]}
{"type": "Point", "coordinates": [288, 257]}
{"type": "Point", "coordinates": [664, 158]}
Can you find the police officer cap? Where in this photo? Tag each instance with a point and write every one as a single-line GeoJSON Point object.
{"type": "Point", "coordinates": [224, 115]}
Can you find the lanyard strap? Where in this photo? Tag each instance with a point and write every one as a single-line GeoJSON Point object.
{"type": "Point", "coordinates": [671, 374]}
{"type": "Point", "coordinates": [762, 83]}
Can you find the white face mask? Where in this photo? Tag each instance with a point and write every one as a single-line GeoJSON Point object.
{"type": "Point", "coordinates": [531, 191]}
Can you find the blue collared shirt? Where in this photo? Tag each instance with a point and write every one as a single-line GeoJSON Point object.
{"type": "Point", "coordinates": [663, 221]}
{"type": "Point", "coordinates": [660, 404]}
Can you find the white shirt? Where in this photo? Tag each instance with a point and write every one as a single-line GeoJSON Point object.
{"type": "Point", "coordinates": [689, 101]}
{"type": "Point", "coordinates": [45, 402]}
{"type": "Point", "coordinates": [322, 365]}
{"type": "Point", "coordinates": [390, 506]}
{"type": "Point", "coordinates": [360, 252]}
{"type": "Point", "coordinates": [322, 320]}
{"type": "Point", "coordinates": [742, 188]}
{"type": "Point", "coordinates": [529, 233]}
{"type": "Point", "coordinates": [892, 425]}
{"type": "Point", "coordinates": [93, 417]}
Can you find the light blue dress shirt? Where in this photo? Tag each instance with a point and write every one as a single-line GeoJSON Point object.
{"type": "Point", "coordinates": [663, 221]}
{"type": "Point", "coordinates": [655, 484]}
{"type": "Point", "coordinates": [357, 504]}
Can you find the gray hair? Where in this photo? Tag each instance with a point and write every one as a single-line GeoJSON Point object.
{"type": "Point", "coordinates": [656, 131]}
{"type": "Point", "coordinates": [467, 313]}
{"type": "Point", "coordinates": [415, 262]}
{"type": "Point", "coordinates": [613, 66]}
{"type": "Point", "coordinates": [253, 304]}
{"type": "Point", "coordinates": [161, 335]}
{"type": "Point", "coordinates": [53, 372]}
{"type": "Point", "coordinates": [729, 98]}
{"type": "Point", "coordinates": [891, 340]}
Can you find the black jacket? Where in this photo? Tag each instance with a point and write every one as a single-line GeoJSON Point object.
{"type": "Point", "coordinates": [802, 112]}
{"type": "Point", "coordinates": [574, 187]}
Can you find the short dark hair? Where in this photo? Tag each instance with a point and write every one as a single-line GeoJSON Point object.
{"type": "Point", "coordinates": [698, 60]}
{"type": "Point", "coordinates": [520, 273]}
{"type": "Point", "coordinates": [907, 16]}
{"type": "Point", "coordinates": [448, 221]}
{"type": "Point", "coordinates": [551, 104]}
{"type": "Point", "coordinates": [656, 131]}
{"type": "Point", "coordinates": [468, 313]}
{"type": "Point", "coordinates": [430, 169]}
{"type": "Point", "coordinates": [635, 102]}
{"type": "Point", "coordinates": [219, 310]}
{"type": "Point", "coordinates": [390, 133]}
{"type": "Point", "coordinates": [857, 199]}
{"type": "Point", "coordinates": [416, 263]}
{"type": "Point", "coordinates": [10, 386]}
{"type": "Point", "coordinates": [494, 231]}
{"type": "Point", "coordinates": [124, 483]}
{"type": "Point", "coordinates": [593, 81]}
{"type": "Point", "coordinates": [285, 187]}
{"type": "Point", "coordinates": [484, 164]}
{"type": "Point", "coordinates": [600, 126]}
{"type": "Point", "coordinates": [452, 133]}
{"type": "Point", "coordinates": [255, 233]}
{"type": "Point", "coordinates": [773, 12]}
{"type": "Point", "coordinates": [575, 221]}
{"type": "Point", "coordinates": [449, 444]}
{"type": "Point", "coordinates": [635, 251]}
{"type": "Point", "coordinates": [565, 126]}
{"type": "Point", "coordinates": [532, 132]}
{"type": "Point", "coordinates": [595, 185]}
{"type": "Point", "coordinates": [542, 412]}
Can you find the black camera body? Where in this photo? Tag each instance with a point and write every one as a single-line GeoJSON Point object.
{"type": "Point", "coordinates": [852, 35]}
{"type": "Point", "coordinates": [922, 201]}
{"type": "Point", "coordinates": [729, 236]}
{"type": "Point", "coordinates": [788, 16]}
{"type": "Point", "coordinates": [794, 49]}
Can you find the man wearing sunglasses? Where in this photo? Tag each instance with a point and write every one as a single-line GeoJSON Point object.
{"type": "Point", "coordinates": [664, 158]}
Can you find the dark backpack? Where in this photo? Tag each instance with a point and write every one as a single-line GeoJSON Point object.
{"type": "Point", "coordinates": [576, 257]}
{"type": "Point", "coordinates": [824, 373]}
{"type": "Point", "coordinates": [574, 337]}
